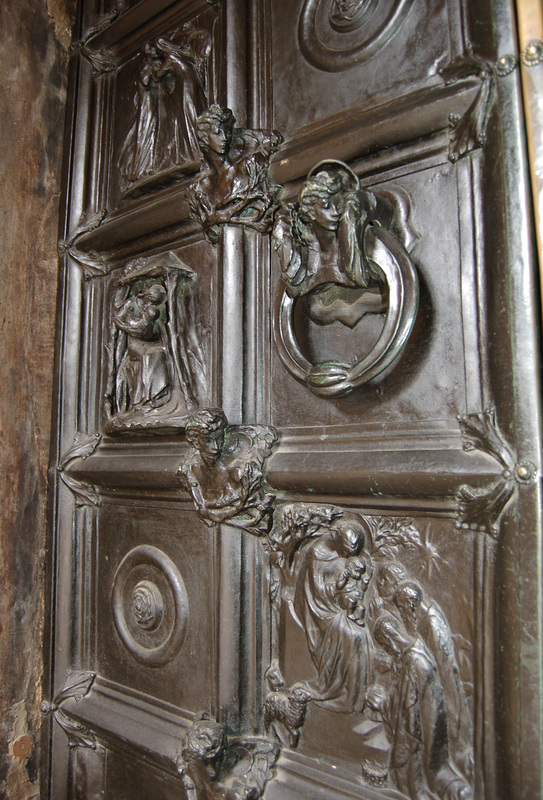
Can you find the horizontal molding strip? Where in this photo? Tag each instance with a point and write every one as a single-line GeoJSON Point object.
{"type": "Point", "coordinates": [406, 467]}
{"type": "Point", "coordinates": [380, 138]}
{"type": "Point", "coordinates": [156, 730]}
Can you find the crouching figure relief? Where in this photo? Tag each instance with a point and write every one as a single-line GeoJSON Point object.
{"type": "Point", "coordinates": [223, 471]}
{"type": "Point", "coordinates": [213, 766]}
{"type": "Point", "coordinates": [343, 250]}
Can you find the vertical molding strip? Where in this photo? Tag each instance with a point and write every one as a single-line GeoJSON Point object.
{"type": "Point", "coordinates": [530, 32]}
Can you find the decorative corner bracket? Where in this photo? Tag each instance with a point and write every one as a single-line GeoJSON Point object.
{"type": "Point", "coordinates": [468, 131]}
{"type": "Point", "coordinates": [92, 264]}
{"type": "Point", "coordinates": [77, 686]}
{"type": "Point", "coordinates": [84, 446]}
{"type": "Point", "coordinates": [482, 509]}
{"type": "Point", "coordinates": [101, 61]}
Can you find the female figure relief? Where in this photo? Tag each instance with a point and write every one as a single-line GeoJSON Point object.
{"type": "Point", "coordinates": [138, 152]}
{"type": "Point", "coordinates": [170, 96]}
{"type": "Point", "coordinates": [334, 572]}
{"type": "Point", "coordinates": [321, 249]}
{"type": "Point", "coordinates": [143, 379]}
{"type": "Point", "coordinates": [156, 371]}
{"type": "Point", "coordinates": [343, 249]}
{"type": "Point", "coordinates": [185, 98]}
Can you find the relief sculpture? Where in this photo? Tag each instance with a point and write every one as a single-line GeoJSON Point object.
{"type": "Point", "coordinates": [171, 92]}
{"type": "Point", "coordinates": [381, 647]}
{"type": "Point", "coordinates": [214, 767]}
{"type": "Point", "coordinates": [223, 471]}
{"type": "Point", "coordinates": [233, 186]}
{"type": "Point", "coordinates": [324, 571]}
{"type": "Point", "coordinates": [343, 251]}
{"type": "Point", "coordinates": [156, 363]}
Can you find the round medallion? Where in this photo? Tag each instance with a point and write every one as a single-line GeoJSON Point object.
{"type": "Point", "coordinates": [150, 605]}
{"type": "Point", "coordinates": [348, 15]}
{"type": "Point", "coordinates": [337, 34]}
{"type": "Point", "coordinates": [147, 606]}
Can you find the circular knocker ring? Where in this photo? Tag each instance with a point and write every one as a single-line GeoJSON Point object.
{"type": "Point", "coordinates": [338, 378]}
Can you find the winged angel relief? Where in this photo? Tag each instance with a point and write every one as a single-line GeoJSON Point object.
{"type": "Point", "coordinates": [223, 471]}
{"type": "Point", "coordinates": [343, 250]}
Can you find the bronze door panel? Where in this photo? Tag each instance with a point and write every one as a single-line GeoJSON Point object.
{"type": "Point", "coordinates": [295, 549]}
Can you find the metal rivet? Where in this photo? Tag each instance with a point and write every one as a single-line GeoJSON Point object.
{"type": "Point", "coordinates": [22, 746]}
{"type": "Point", "coordinates": [532, 55]}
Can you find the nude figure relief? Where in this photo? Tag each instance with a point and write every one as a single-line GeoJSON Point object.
{"type": "Point", "coordinates": [223, 471]}
{"type": "Point", "coordinates": [233, 186]}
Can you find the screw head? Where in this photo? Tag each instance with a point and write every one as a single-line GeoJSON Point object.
{"type": "Point", "coordinates": [22, 746]}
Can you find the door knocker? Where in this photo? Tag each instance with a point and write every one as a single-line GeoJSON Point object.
{"type": "Point", "coordinates": [344, 250]}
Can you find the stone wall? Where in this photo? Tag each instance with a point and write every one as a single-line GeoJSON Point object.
{"type": "Point", "coordinates": [34, 36]}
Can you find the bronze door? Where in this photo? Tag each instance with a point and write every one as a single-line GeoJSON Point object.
{"type": "Point", "coordinates": [296, 522]}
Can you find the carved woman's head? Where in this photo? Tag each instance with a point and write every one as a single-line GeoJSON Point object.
{"type": "Point", "coordinates": [153, 295]}
{"type": "Point", "coordinates": [321, 200]}
{"type": "Point", "coordinates": [205, 432]}
{"type": "Point", "coordinates": [349, 535]}
{"type": "Point", "coordinates": [214, 129]}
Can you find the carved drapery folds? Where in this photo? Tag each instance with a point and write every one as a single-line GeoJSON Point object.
{"type": "Point", "coordinates": [92, 264]}
{"type": "Point", "coordinates": [233, 186]}
{"type": "Point", "coordinates": [85, 494]}
{"type": "Point", "coordinates": [101, 61]}
{"type": "Point", "coordinates": [343, 250]}
{"type": "Point", "coordinates": [156, 370]}
{"type": "Point", "coordinates": [171, 93]}
{"type": "Point", "coordinates": [224, 471]}
{"type": "Point", "coordinates": [214, 766]}
{"type": "Point", "coordinates": [380, 645]}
